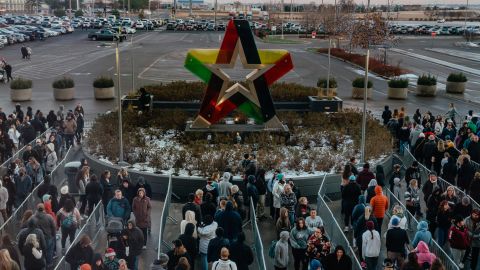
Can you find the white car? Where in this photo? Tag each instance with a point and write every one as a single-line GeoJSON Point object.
{"type": "Point", "coordinates": [129, 30]}
{"type": "Point", "coordinates": [3, 40]}
{"type": "Point", "coordinates": [441, 21]}
{"type": "Point", "coordinates": [139, 25]}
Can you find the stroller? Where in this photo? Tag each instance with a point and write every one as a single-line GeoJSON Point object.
{"type": "Point", "coordinates": [115, 228]}
{"type": "Point", "coordinates": [3, 76]}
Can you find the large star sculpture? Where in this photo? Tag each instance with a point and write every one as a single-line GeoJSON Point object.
{"type": "Point", "coordinates": [222, 95]}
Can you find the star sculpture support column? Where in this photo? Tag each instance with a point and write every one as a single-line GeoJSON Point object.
{"type": "Point", "coordinates": [254, 99]}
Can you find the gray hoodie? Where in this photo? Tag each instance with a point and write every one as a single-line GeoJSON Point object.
{"type": "Point", "coordinates": [224, 186]}
{"type": "Point", "coordinates": [281, 250]}
{"type": "Point", "coordinates": [414, 134]}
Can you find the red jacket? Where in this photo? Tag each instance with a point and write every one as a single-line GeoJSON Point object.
{"type": "Point", "coordinates": [458, 237]}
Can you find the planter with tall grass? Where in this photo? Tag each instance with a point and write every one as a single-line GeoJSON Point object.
{"type": "Point", "coordinates": [397, 88]}
{"type": "Point", "coordinates": [358, 88]}
{"type": "Point", "coordinates": [426, 86]}
{"type": "Point", "coordinates": [103, 88]}
{"type": "Point", "coordinates": [456, 83]}
{"type": "Point", "coordinates": [323, 91]}
{"type": "Point", "coordinates": [64, 89]}
{"type": "Point", "coordinates": [21, 90]}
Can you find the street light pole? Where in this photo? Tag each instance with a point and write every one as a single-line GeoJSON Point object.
{"type": "Point", "coordinates": [282, 14]}
{"type": "Point", "coordinates": [465, 23]}
{"type": "Point", "coordinates": [119, 104]}
{"type": "Point", "coordinates": [215, 16]}
{"type": "Point", "coordinates": [132, 58]}
{"type": "Point", "coordinates": [330, 45]}
{"type": "Point", "coordinates": [364, 119]}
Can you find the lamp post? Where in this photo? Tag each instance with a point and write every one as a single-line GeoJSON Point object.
{"type": "Point", "coordinates": [465, 23]}
{"type": "Point", "coordinates": [119, 104]}
{"type": "Point", "coordinates": [364, 119]}
{"type": "Point", "coordinates": [330, 44]}
{"type": "Point", "coordinates": [282, 14]}
{"type": "Point", "coordinates": [215, 16]}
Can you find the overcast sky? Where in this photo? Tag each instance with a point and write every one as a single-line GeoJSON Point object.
{"type": "Point", "coordinates": [423, 2]}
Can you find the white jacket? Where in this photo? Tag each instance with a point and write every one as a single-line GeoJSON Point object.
{"type": "Point", "coordinates": [224, 265]}
{"type": "Point", "coordinates": [14, 135]}
{"type": "Point", "coordinates": [206, 234]}
{"type": "Point", "coordinates": [371, 247]}
{"type": "Point", "coordinates": [276, 192]}
{"type": "Point", "coordinates": [51, 161]}
{"type": "Point", "coordinates": [402, 224]}
{"type": "Point", "coordinates": [3, 197]}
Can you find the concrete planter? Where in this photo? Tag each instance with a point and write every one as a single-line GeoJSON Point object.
{"type": "Point", "coordinates": [104, 93]}
{"type": "Point", "coordinates": [21, 94]}
{"type": "Point", "coordinates": [64, 94]}
{"type": "Point", "coordinates": [397, 93]}
{"type": "Point", "coordinates": [357, 93]}
{"type": "Point", "coordinates": [324, 92]}
{"type": "Point", "coordinates": [426, 90]}
{"type": "Point", "coordinates": [456, 87]}
{"type": "Point", "coordinates": [333, 104]}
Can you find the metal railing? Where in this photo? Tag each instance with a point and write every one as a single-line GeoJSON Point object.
{"type": "Point", "coordinates": [257, 239]}
{"type": "Point", "coordinates": [164, 217]}
{"type": "Point", "coordinates": [433, 246]}
{"type": "Point", "coordinates": [93, 227]}
{"type": "Point", "coordinates": [13, 224]}
{"type": "Point", "coordinates": [332, 228]}
{"type": "Point", "coordinates": [475, 164]}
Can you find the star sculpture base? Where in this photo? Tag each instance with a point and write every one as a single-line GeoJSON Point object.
{"type": "Point", "coordinates": [203, 130]}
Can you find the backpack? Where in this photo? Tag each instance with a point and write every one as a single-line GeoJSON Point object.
{"type": "Point", "coordinates": [69, 222]}
{"type": "Point", "coordinates": [271, 249]}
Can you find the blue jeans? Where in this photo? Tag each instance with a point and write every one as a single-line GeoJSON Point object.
{"type": "Point", "coordinates": [204, 261]}
{"type": "Point", "coordinates": [403, 145]}
{"type": "Point", "coordinates": [441, 236]}
{"type": "Point", "coordinates": [132, 262]}
{"type": "Point", "coordinates": [291, 217]}
{"type": "Point", "coordinates": [49, 252]}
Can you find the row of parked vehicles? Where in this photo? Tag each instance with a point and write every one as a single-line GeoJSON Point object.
{"type": "Point", "coordinates": [436, 29]}
{"type": "Point", "coordinates": [194, 25]}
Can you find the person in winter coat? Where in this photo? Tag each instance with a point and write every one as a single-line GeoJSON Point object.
{"type": "Point", "coordinates": [397, 240]}
{"type": "Point", "coordinates": [370, 192]}
{"type": "Point", "coordinates": [450, 196]}
{"type": "Point", "coordinates": [361, 227]}
{"type": "Point", "coordinates": [122, 176]}
{"type": "Point", "coordinates": [97, 263]}
{"type": "Point", "coordinates": [206, 232]}
{"type": "Point", "coordinates": [252, 192]}
{"type": "Point", "coordinates": [189, 219]}
{"type": "Point", "coordinates": [141, 209]}
{"type": "Point", "coordinates": [466, 173]}
{"type": "Point", "coordinates": [189, 240]}
{"type": "Point", "coordinates": [379, 205]}
{"type": "Point", "coordinates": [350, 195]}
{"type": "Point", "coordinates": [190, 205]}
{"type": "Point", "coordinates": [474, 189]}
{"type": "Point", "coordinates": [430, 186]}
{"type": "Point", "coordinates": [176, 253]}
{"type": "Point", "coordinates": [444, 221]}
{"type": "Point", "coordinates": [31, 229]}
{"type": "Point", "coordinates": [7, 244]}
{"type": "Point", "coordinates": [51, 158]}
{"type": "Point", "coordinates": [364, 177]}
{"type": "Point", "coordinates": [47, 202]}
{"type": "Point", "coordinates": [142, 183]}
{"type": "Point", "coordinates": [216, 244]}
{"type": "Point", "coordinates": [422, 234]}
{"type": "Point", "coordinates": [23, 185]}
{"type": "Point", "coordinates": [34, 257]}
{"type": "Point", "coordinates": [12, 190]}
{"type": "Point", "coordinates": [358, 210]}
{"type": "Point", "coordinates": [371, 244]}
{"type": "Point", "coordinates": [432, 209]}
{"type": "Point", "coordinates": [68, 219]}
{"type": "Point", "coordinates": [283, 222]}
{"type": "Point", "coordinates": [423, 254]}
{"type": "Point", "coordinates": [299, 240]}
{"type": "Point", "coordinates": [160, 263]}
{"type": "Point", "coordinates": [289, 201]}
{"type": "Point", "coordinates": [69, 129]}
{"type": "Point", "coordinates": [224, 263]}
{"type": "Point", "coordinates": [318, 244]}
{"type": "Point", "coordinates": [302, 209]}
{"type": "Point", "coordinates": [108, 188]}
{"type": "Point", "coordinates": [82, 178]}
{"type": "Point", "coordinates": [93, 192]}
{"type": "Point", "coordinates": [261, 185]}
{"type": "Point", "coordinates": [459, 240]}
{"type": "Point", "coordinates": [118, 207]}
{"type": "Point", "coordinates": [64, 196]}
{"type": "Point", "coordinates": [386, 115]}
{"type": "Point", "coordinates": [338, 260]}
{"type": "Point", "coordinates": [277, 191]}
{"type": "Point", "coordinates": [208, 207]}
{"type": "Point", "coordinates": [473, 225]}
{"type": "Point", "coordinates": [111, 261]}
{"type": "Point", "coordinates": [412, 199]}
{"type": "Point", "coordinates": [230, 221]}
{"type": "Point", "coordinates": [280, 260]}
{"type": "Point", "coordinates": [225, 185]}
{"type": "Point", "coordinates": [211, 187]}
{"type": "Point", "coordinates": [429, 150]}
{"type": "Point", "coordinates": [240, 253]}
{"type": "Point", "coordinates": [449, 170]}
{"type": "Point", "coordinates": [3, 202]}
{"type": "Point", "coordinates": [397, 190]}
{"type": "Point", "coordinates": [395, 174]}
{"type": "Point", "coordinates": [81, 253]}
{"type": "Point", "coordinates": [397, 212]}
{"type": "Point", "coordinates": [463, 208]}
{"type": "Point", "coordinates": [47, 188]}
{"type": "Point", "coordinates": [7, 262]}
{"type": "Point", "coordinates": [46, 223]}
{"type": "Point", "coordinates": [135, 242]}
{"type": "Point", "coordinates": [128, 190]}
{"type": "Point", "coordinates": [413, 172]}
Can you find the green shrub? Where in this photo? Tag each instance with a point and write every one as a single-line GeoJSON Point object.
{"type": "Point", "coordinates": [427, 80]}
{"type": "Point", "coordinates": [457, 77]}
{"type": "Point", "coordinates": [322, 83]}
{"type": "Point", "coordinates": [59, 12]}
{"type": "Point", "coordinates": [63, 83]}
{"type": "Point", "coordinates": [360, 83]}
{"type": "Point", "coordinates": [79, 13]}
{"type": "Point", "coordinates": [398, 83]}
{"type": "Point", "coordinates": [20, 83]}
{"type": "Point", "coordinates": [103, 82]}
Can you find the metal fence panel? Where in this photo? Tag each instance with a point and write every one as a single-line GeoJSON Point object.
{"type": "Point", "coordinates": [164, 216]}
{"type": "Point", "coordinates": [257, 239]}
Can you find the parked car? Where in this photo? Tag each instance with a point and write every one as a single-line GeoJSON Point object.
{"type": "Point", "coordinates": [106, 34]}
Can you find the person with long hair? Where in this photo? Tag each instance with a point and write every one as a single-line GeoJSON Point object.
{"type": "Point", "coordinates": [34, 258]}
{"type": "Point", "coordinates": [12, 190]}
{"type": "Point", "coordinates": [318, 244]}
{"type": "Point", "coordinates": [371, 245]}
{"type": "Point", "coordinates": [176, 253]}
{"type": "Point", "coordinates": [444, 221]}
{"type": "Point", "coordinates": [81, 181]}
{"type": "Point", "coordinates": [283, 222]}
{"type": "Point", "coordinates": [26, 216]}
{"type": "Point", "coordinates": [183, 264]}
{"type": "Point", "coordinates": [298, 240]}
{"type": "Point", "coordinates": [68, 218]}
{"type": "Point", "coordinates": [412, 262]}
{"type": "Point", "coordinates": [6, 262]}
{"type": "Point", "coordinates": [8, 245]}
{"type": "Point", "coordinates": [122, 176]}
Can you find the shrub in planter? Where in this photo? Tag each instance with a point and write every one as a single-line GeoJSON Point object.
{"type": "Point", "coordinates": [456, 83]}
{"type": "Point", "coordinates": [358, 88]}
{"type": "Point", "coordinates": [63, 89]}
{"type": "Point", "coordinates": [398, 88]}
{"type": "Point", "coordinates": [426, 86]}
{"type": "Point", "coordinates": [21, 89]}
{"type": "Point", "coordinates": [332, 87]}
{"type": "Point", "coordinates": [103, 88]}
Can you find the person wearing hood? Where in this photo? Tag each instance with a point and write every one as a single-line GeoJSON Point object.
{"type": "Point", "coordinates": [223, 263]}
{"type": "Point", "coordinates": [423, 254]}
{"type": "Point", "coordinates": [397, 190]}
{"type": "Point", "coordinates": [277, 191]}
{"type": "Point", "coordinates": [432, 209]}
{"type": "Point", "coordinates": [80, 253]}
{"type": "Point", "coordinates": [350, 194]}
{"type": "Point", "coordinates": [364, 177]}
{"type": "Point", "coordinates": [206, 232]}
{"type": "Point", "coordinates": [47, 202]}
{"type": "Point", "coordinates": [230, 221]}
{"type": "Point", "coordinates": [358, 210]}
{"type": "Point", "coordinates": [370, 192]}
{"type": "Point", "coordinates": [135, 242]}
{"type": "Point", "coordinates": [119, 207]}
{"type": "Point", "coordinates": [241, 253]}
{"type": "Point", "coordinates": [338, 260]}
{"type": "Point", "coordinates": [216, 244]}
{"type": "Point", "coordinates": [397, 241]}
{"type": "Point", "coordinates": [280, 260]}
{"type": "Point", "coordinates": [379, 205]}
{"type": "Point", "coordinates": [261, 185]}
{"type": "Point", "coordinates": [189, 219]}
{"type": "Point", "coordinates": [361, 227]}
{"type": "Point", "coordinates": [371, 245]}
{"type": "Point", "coordinates": [64, 196]}
{"type": "Point", "coordinates": [463, 208]}
{"type": "Point", "coordinates": [252, 192]}
{"type": "Point", "coordinates": [191, 206]}
{"type": "Point", "coordinates": [161, 263]}
{"type": "Point", "coordinates": [299, 241]}
{"type": "Point", "coordinates": [414, 134]}
{"type": "Point", "coordinates": [422, 234]}
{"type": "Point", "coordinates": [32, 228]}
{"type": "Point", "coordinates": [211, 187]}
{"type": "Point", "coordinates": [459, 240]}
{"type": "Point", "coordinates": [141, 209]}
{"type": "Point", "coordinates": [51, 158]}
{"type": "Point", "coordinates": [189, 240]}
{"type": "Point", "coordinates": [225, 185]}
{"type": "Point", "coordinates": [397, 212]}
{"type": "Point", "coordinates": [289, 201]}
{"type": "Point", "coordinates": [142, 183]}
{"type": "Point", "coordinates": [3, 202]}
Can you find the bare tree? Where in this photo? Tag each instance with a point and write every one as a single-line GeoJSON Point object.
{"type": "Point", "coordinates": [371, 30]}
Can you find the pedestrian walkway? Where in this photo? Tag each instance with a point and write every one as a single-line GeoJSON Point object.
{"type": "Point", "coordinates": [457, 53]}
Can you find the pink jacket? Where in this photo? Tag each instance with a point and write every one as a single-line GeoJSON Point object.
{"type": "Point", "coordinates": [424, 254]}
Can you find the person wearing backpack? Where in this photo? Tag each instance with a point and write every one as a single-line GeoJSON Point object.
{"type": "Point", "coordinates": [224, 263]}
{"type": "Point", "coordinates": [68, 218]}
{"type": "Point", "coordinates": [280, 255]}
